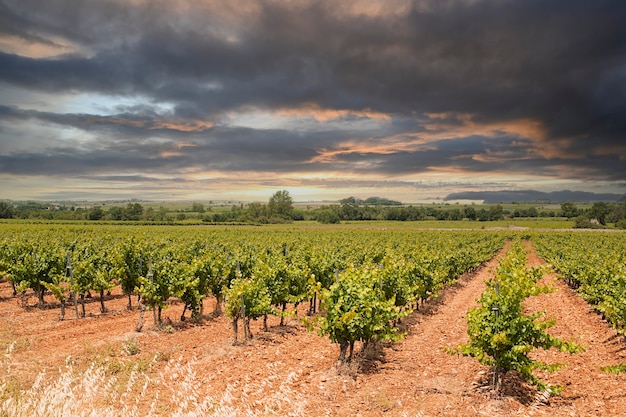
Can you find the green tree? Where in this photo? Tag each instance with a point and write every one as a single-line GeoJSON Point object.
{"type": "Point", "coordinates": [618, 213]}
{"type": "Point", "coordinates": [281, 204]}
{"type": "Point", "coordinates": [197, 207]}
{"type": "Point", "coordinates": [116, 213]}
{"type": "Point", "coordinates": [599, 211]}
{"type": "Point", "coordinates": [6, 210]}
{"type": "Point", "coordinates": [327, 216]}
{"type": "Point", "coordinates": [496, 212]}
{"type": "Point", "coordinates": [470, 213]}
{"type": "Point", "coordinates": [133, 211]}
{"type": "Point", "coordinates": [569, 210]}
{"type": "Point", "coordinates": [95, 213]}
{"type": "Point", "coordinates": [256, 210]}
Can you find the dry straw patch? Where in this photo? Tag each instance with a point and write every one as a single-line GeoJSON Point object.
{"type": "Point", "coordinates": [177, 390]}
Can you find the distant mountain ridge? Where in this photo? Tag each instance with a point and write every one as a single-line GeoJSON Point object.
{"type": "Point", "coordinates": [532, 196]}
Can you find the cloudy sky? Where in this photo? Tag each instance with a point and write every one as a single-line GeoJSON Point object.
{"type": "Point", "coordinates": [209, 100]}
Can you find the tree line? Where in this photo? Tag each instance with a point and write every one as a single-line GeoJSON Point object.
{"type": "Point", "coordinates": [280, 209]}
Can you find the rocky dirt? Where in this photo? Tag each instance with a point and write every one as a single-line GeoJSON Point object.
{"type": "Point", "coordinates": [291, 371]}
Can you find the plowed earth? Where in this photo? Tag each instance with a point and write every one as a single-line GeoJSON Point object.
{"type": "Point", "coordinates": [291, 371]}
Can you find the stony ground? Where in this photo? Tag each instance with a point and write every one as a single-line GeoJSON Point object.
{"type": "Point", "coordinates": [291, 371]}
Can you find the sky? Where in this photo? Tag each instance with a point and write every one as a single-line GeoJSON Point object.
{"type": "Point", "coordinates": [216, 100]}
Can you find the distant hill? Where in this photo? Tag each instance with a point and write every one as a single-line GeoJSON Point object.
{"type": "Point", "coordinates": [532, 196]}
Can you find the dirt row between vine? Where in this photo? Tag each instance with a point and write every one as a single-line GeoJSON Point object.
{"type": "Point", "coordinates": [291, 371]}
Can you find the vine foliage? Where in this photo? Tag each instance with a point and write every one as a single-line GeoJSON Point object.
{"type": "Point", "coordinates": [501, 335]}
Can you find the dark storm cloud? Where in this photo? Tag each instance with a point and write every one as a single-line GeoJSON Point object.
{"type": "Point", "coordinates": [134, 142]}
{"type": "Point", "coordinates": [144, 122]}
{"type": "Point", "coordinates": [561, 63]}
{"type": "Point", "coordinates": [235, 150]}
{"type": "Point", "coordinates": [129, 145]}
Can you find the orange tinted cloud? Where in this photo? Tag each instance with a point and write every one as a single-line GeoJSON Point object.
{"type": "Point", "coordinates": [184, 126]}
{"type": "Point", "coordinates": [373, 8]}
{"type": "Point", "coordinates": [176, 149]}
{"type": "Point", "coordinates": [35, 49]}
{"type": "Point", "coordinates": [442, 126]}
{"type": "Point", "coordinates": [324, 115]}
{"type": "Point", "coordinates": [453, 125]}
{"type": "Point", "coordinates": [384, 146]}
{"type": "Point", "coordinates": [156, 124]}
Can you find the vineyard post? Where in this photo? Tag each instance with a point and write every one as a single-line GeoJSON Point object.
{"type": "Point", "coordinates": [14, 288]}
{"type": "Point", "coordinates": [243, 316]}
{"type": "Point", "coordinates": [142, 311]}
{"type": "Point", "coordinates": [142, 302]}
{"type": "Point", "coordinates": [138, 292]}
{"type": "Point", "coordinates": [312, 303]}
{"type": "Point", "coordinates": [235, 325]}
{"type": "Point", "coordinates": [38, 287]}
{"type": "Point", "coordinates": [235, 330]}
{"type": "Point", "coordinates": [380, 281]}
{"type": "Point", "coordinates": [151, 278]}
{"type": "Point", "coordinates": [496, 308]}
{"type": "Point", "coordinates": [71, 275]}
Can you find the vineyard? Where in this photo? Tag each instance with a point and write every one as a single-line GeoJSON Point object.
{"type": "Point", "coordinates": [290, 321]}
{"type": "Point", "coordinates": [596, 268]}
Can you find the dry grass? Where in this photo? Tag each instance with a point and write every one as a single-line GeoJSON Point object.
{"type": "Point", "coordinates": [176, 390]}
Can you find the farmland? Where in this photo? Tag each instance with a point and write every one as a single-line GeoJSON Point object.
{"type": "Point", "coordinates": [407, 294]}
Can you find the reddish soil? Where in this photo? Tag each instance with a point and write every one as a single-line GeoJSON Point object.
{"type": "Point", "coordinates": [289, 370]}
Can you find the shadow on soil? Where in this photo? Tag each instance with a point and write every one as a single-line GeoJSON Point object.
{"type": "Point", "coordinates": [512, 385]}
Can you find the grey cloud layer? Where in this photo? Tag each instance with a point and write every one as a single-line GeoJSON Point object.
{"type": "Point", "coordinates": [559, 62]}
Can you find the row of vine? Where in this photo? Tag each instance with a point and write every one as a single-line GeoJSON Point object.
{"type": "Point", "coordinates": [364, 280]}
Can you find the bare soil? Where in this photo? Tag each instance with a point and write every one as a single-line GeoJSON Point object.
{"type": "Point", "coordinates": [292, 367]}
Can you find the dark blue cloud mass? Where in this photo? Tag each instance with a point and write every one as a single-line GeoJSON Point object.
{"type": "Point", "coordinates": [516, 88]}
